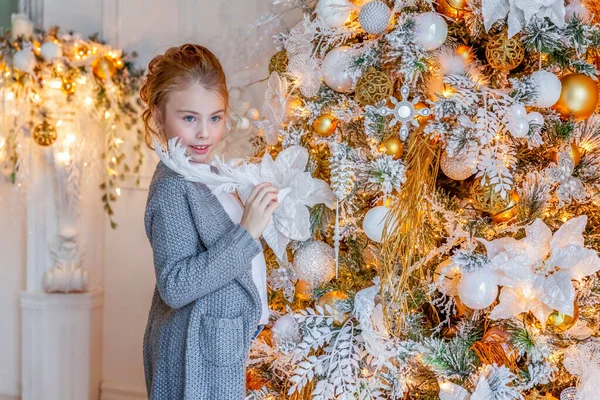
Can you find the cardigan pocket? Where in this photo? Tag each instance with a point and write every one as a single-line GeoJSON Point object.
{"type": "Point", "coordinates": [222, 340]}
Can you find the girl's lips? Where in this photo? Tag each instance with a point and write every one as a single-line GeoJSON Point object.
{"type": "Point", "coordinates": [200, 149]}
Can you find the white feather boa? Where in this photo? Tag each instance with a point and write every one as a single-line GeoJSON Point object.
{"type": "Point", "coordinates": [298, 190]}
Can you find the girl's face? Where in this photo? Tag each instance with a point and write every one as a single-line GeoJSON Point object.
{"type": "Point", "coordinates": [196, 116]}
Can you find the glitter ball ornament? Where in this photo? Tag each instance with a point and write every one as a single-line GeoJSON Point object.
{"type": "Point", "coordinates": [331, 300]}
{"type": "Point", "coordinates": [325, 125]}
{"type": "Point", "coordinates": [104, 68]}
{"type": "Point", "coordinates": [503, 53]}
{"type": "Point", "coordinates": [335, 69]}
{"type": "Point", "coordinates": [560, 322]}
{"type": "Point", "coordinates": [374, 17]}
{"type": "Point", "coordinates": [457, 168]}
{"type": "Point", "coordinates": [373, 86]}
{"type": "Point", "coordinates": [44, 134]}
{"type": "Point", "coordinates": [279, 62]}
{"type": "Point", "coordinates": [392, 147]}
{"type": "Point", "coordinates": [315, 263]}
{"type": "Point", "coordinates": [578, 97]}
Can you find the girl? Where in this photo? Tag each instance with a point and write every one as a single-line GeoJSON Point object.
{"type": "Point", "coordinates": [208, 260]}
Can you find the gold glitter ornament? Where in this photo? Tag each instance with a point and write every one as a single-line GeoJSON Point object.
{"type": "Point", "coordinates": [503, 53]}
{"type": "Point", "coordinates": [44, 134]}
{"type": "Point", "coordinates": [68, 87]}
{"type": "Point", "coordinates": [279, 62]}
{"type": "Point", "coordinates": [373, 86]}
{"type": "Point", "coordinates": [457, 168]}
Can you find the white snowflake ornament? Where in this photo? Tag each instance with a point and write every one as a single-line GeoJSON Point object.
{"type": "Point", "coordinates": [404, 112]}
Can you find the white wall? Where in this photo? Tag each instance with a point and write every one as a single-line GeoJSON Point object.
{"type": "Point", "coordinates": [120, 260]}
{"type": "Point", "coordinates": [12, 277]}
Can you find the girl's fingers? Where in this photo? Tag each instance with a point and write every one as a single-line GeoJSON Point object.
{"type": "Point", "coordinates": [267, 199]}
{"type": "Point", "coordinates": [255, 191]}
{"type": "Point", "coordinates": [267, 191]}
{"type": "Point", "coordinates": [271, 208]}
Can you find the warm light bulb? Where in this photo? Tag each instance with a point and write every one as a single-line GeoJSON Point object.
{"type": "Point", "coordinates": [59, 122]}
{"type": "Point", "coordinates": [55, 83]}
{"type": "Point", "coordinates": [88, 101]}
{"type": "Point", "coordinates": [118, 190]}
{"type": "Point", "coordinates": [107, 115]}
{"type": "Point", "coordinates": [70, 139]}
{"type": "Point", "coordinates": [10, 96]}
{"type": "Point", "coordinates": [119, 141]}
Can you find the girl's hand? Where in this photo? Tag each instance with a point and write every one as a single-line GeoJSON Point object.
{"type": "Point", "coordinates": [259, 208]}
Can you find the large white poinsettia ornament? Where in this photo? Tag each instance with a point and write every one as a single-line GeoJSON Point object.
{"type": "Point", "coordinates": [298, 190]}
{"type": "Point", "coordinates": [521, 12]}
{"type": "Point", "coordinates": [536, 272]}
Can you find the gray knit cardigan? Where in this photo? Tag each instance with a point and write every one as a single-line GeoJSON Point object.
{"type": "Point", "coordinates": [206, 306]}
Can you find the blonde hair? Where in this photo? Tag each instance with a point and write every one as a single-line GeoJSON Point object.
{"type": "Point", "coordinates": [178, 68]}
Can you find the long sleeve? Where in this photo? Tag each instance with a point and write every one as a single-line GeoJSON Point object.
{"type": "Point", "coordinates": [184, 272]}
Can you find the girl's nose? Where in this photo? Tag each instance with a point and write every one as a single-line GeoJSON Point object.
{"type": "Point", "coordinates": [201, 132]}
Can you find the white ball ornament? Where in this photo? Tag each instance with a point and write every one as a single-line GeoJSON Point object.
{"type": "Point", "coordinates": [374, 222]}
{"type": "Point", "coordinates": [50, 51]}
{"type": "Point", "coordinates": [253, 114]}
{"type": "Point", "coordinates": [374, 17]}
{"type": "Point", "coordinates": [315, 263]}
{"type": "Point", "coordinates": [24, 60]}
{"type": "Point", "coordinates": [243, 123]}
{"type": "Point", "coordinates": [286, 329]}
{"type": "Point", "coordinates": [517, 111]}
{"type": "Point", "coordinates": [477, 290]}
{"type": "Point", "coordinates": [334, 13]}
{"type": "Point", "coordinates": [549, 88]}
{"type": "Point", "coordinates": [535, 118]}
{"type": "Point", "coordinates": [518, 127]}
{"type": "Point", "coordinates": [335, 69]}
{"type": "Point", "coordinates": [431, 30]}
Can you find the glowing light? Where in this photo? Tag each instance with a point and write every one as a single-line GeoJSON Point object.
{"type": "Point", "coordinates": [107, 115]}
{"type": "Point", "coordinates": [2, 143]}
{"type": "Point", "coordinates": [85, 164]}
{"type": "Point", "coordinates": [70, 139]}
{"type": "Point", "coordinates": [113, 159]}
{"type": "Point", "coordinates": [55, 83]}
{"type": "Point", "coordinates": [63, 156]}
{"type": "Point", "coordinates": [10, 96]}
{"type": "Point", "coordinates": [59, 122]}
{"type": "Point", "coordinates": [82, 80]}
{"type": "Point", "coordinates": [119, 141]}
{"type": "Point", "coordinates": [88, 101]}
{"type": "Point", "coordinates": [36, 97]}
{"type": "Point", "coordinates": [118, 190]}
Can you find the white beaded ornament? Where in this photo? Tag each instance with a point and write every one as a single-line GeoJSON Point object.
{"type": "Point", "coordinates": [374, 17]}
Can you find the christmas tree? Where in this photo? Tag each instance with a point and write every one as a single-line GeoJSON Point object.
{"type": "Point", "coordinates": [460, 260]}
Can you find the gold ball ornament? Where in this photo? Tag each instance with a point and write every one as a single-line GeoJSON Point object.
{"type": "Point", "coordinates": [574, 152]}
{"type": "Point", "coordinates": [578, 97]}
{"type": "Point", "coordinates": [503, 53]}
{"type": "Point", "coordinates": [279, 62]}
{"type": "Point", "coordinates": [451, 8]}
{"type": "Point", "coordinates": [68, 87]}
{"type": "Point", "coordinates": [291, 106]}
{"type": "Point", "coordinates": [392, 147]}
{"type": "Point", "coordinates": [303, 290]}
{"type": "Point", "coordinates": [45, 134]}
{"type": "Point", "coordinates": [330, 300]}
{"type": "Point", "coordinates": [325, 125]}
{"type": "Point", "coordinates": [104, 67]}
{"type": "Point", "coordinates": [373, 87]}
{"type": "Point", "coordinates": [510, 211]}
{"type": "Point", "coordinates": [560, 322]}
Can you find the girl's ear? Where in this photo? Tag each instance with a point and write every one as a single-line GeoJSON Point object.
{"type": "Point", "coordinates": [158, 117]}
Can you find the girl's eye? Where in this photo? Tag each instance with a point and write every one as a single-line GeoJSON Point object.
{"type": "Point", "coordinates": [216, 118]}
{"type": "Point", "coordinates": [189, 118]}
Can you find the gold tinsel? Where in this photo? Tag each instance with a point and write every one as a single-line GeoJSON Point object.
{"type": "Point", "coordinates": [503, 53]}
{"type": "Point", "coordinates": [279, 62]}
{"type": "Point", "coordinates": [373, 86]}
{"type": "Point", "coordinates": [407, 244]}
